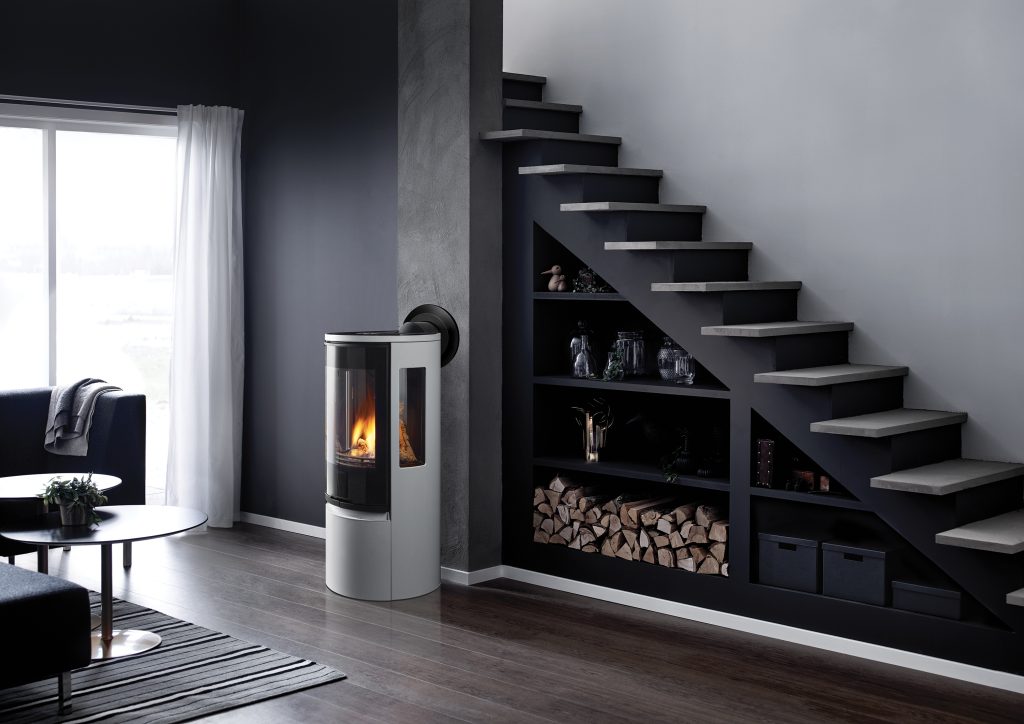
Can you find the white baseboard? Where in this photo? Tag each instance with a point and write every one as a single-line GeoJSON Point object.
{"type": "Point", "coordinates": [291, 526]}
{"type": "Point", "coordinates": [825, 642]}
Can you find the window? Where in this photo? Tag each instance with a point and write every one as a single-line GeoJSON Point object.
{"type": "Point", "coordinates": [86, 252]}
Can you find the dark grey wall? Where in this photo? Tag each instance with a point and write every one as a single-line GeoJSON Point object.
{"type": "Point", "coordinates": [320, 163]}
{"type": "Point", "coordinates": [120, 51]}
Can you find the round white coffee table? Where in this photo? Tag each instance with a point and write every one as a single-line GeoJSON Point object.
{"type": "Point", "coordinates": [118, 524]}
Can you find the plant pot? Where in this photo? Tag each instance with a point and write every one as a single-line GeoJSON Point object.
{"type": "Point", "coordinates": [75, 515]}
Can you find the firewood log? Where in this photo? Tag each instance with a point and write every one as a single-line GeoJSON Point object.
{"type": "Point", "coordinates": [687, 564]}
{"type": "Point", "coordinates": [575, 543]}
{"type": "Point", "coordinates": [556, 524]}
{"type": "Point", "coordinates": [698, 534]}
{"type": "Point", "coordinates": [557, 540]}
{"type": "Point", "coordinates": [648, 556]}
{"type": "Point", "coordinates": [643, 539]}
{"type": "Point", "coordinates": [710, 566]}
{"type": "Point", "coordinates": [553, 497]}
{"type": "Point", "coordinates": [548, 526]}
{"type": "Point", "coordinates": [650, 517]}
{"type": "Point", "coordinates": [684, 513]}
{"type": "Point", "coordinates": [631, 512]}
{"type": "Point", "coordinates": [538, 496]}
{"type": "Point", "coordinates": [637, 552]}
{"type": "Point", "coordinates": [684, 529]}
{"type": "Point", "coordinates": [545, 509]}
{"type": "Point", "coordinates": [666, 526]}
{"type": "Point", "coordinates": [706, 515]}
{"type": "Point", "coordinates": [606, 548]}
{"type": "Point", "coordinates": [589, 549]}
{"type": "Point", "coordinates": [725, 569]}
{"type": "Point", "coordinates": [719, 531]}
{"type": "Point", "coordinates": [682, 554]}
{"type": "Point", "coordinates": [586, 502]}
{"type": "Point", "coordinates": [558, 484]}
{"type": "Point", "coordinates": [611, 507]}
{"type": "Point", "coordinates": [587, 536]}
{"type": "Point", "coordinates": [537, 519]}
{"type": "Point", "coordinates": [661, 541]}
{"type": "Point", "coordinates": [575, 527]}
{"type": "Point", "coordinates": [630, 536]}
{"type": "Point", "coordinates": [614, 524]}
{"type": "Point", "coordinates": [599, 530]}
{"type": "Point", "coordinates": [625, 553]}
{"type": "Point", "coordinates": [676, 540]}
{"type": "Point", "coordinates": [616, 539]}
{"type": "Point", "coordinates": [540, 536]}
{"type": "Point", "coordinates": [566, 533]}
{"type": "Point", "coordinates": [563, 512]}
{"type": "Point", "coordinates": [718, 550]}
{"type": "Point", "coordinates": [666, 557]}
{"type": "Point", "coordinates": [592, 516]}
{"type": "Point", "coordinates": [572, 496]}
{"type": "Point", "coordinates": [698, 553]}
{"type": "Point", "coordinates": [575, 514]}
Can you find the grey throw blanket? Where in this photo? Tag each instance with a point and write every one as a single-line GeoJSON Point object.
{"type": "Point", "coordinates": [70, 418]}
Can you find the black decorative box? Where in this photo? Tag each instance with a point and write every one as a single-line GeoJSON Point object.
{"type": "Point", "coordinates": [788, 562]}
{"type": "Point", "coordinates": [919, 598]}
{"type": "Point", "coordinates": [856, 573]}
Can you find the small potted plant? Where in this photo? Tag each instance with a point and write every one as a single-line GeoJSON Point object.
{"type": "Point", "coordinates": [76, 497]}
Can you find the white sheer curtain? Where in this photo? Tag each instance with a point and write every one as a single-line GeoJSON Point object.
{"type": "Point", "coordinates": [207, 353]}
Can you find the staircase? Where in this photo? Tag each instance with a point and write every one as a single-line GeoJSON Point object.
{"type": "Point", "coordinates": [904, 464]}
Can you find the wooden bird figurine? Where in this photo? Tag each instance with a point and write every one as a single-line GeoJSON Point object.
{"type": "Point", "coordinates": [557, 282]}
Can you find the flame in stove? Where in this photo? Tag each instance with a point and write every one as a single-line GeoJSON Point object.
{"type": "Point", "coordinates": [364, 432]}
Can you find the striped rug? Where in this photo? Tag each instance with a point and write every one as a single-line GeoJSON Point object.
{"type": "Point", "coordinates": [194, 672]}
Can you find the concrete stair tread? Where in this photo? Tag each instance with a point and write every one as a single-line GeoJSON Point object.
{"type": "Point", "coordinates": [949, 476]}
{"type": "Point", "coordinates": [889, 422]}
{"type": "Point", "coordinates": [678, 246]}
{"type": "Point", "coordinates": [1001, 534]}
{"type": "Point", "coordinates": [543, 105]}
{"type": "Point", "coordinates": [775, 329]}
{"type": "Point", "coordinates": [524, 78]}
{"type": "Point", "coordinates": [722, 286]}
{"type": "Point", "coordinates": [562, 169]}
{"type": "Point", "coordinates": [534, 134]}
{"type": "Point", "coordinates": [830, 375]}
{"type": "Point", "coordinates": [601, 206]}
{"type": "Point", "coordinates": [1015, 598]}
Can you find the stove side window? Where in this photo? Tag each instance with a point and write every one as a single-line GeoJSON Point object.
{"type": "Point", "coordinates": [412, 395]}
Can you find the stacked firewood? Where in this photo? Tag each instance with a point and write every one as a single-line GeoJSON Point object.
{"type": "Point", "coordinates": [659, 530]}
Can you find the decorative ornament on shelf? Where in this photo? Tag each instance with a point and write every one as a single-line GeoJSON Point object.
{"type": "Point", "coordinates": [77, 499]}
{"type": "Point", "coordinates": [680, 460]}
{"type": "Point", "coordinates": [596, 419]}
{"type": "Point", "coordinates": [613, 371]}
{"type": "Point", "coordinates": [557, 282]}
{"type": "Point", "coordinates": [588, 282]}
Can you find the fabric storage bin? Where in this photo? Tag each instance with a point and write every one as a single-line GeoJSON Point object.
{"type": "Point", "coordinates": [856, 573]}
{"type": "Point", "coordinates": [788, 562]}
{"type": "Point", "coordinates": [919, 598]}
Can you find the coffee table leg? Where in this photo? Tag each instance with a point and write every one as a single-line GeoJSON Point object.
{"type": "Point", "coordinates": [43, 559]}
{"type": "Point", "coordinates": [108, 643]}
{"type": "Point", "coordinates": [127, 545]}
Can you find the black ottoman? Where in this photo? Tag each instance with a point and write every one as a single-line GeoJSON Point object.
{"type": "Point", "coordinates": [48, 625]}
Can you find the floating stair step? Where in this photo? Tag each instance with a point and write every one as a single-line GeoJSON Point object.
{"type": "Point", "coordinates": [889, 422]}
{"type": "Point", "coordinates": [562, 169]}
{"type": "Point", "coordinates": [524, 78]}
{"type": "Point", "coordinates": [678, 246]}
{"type": "Point", "coordinates": [533, 134]}
{"type": "Point", "coordinates": [602, 206]}
{"type": "Point", "coordinates": [722, 286]}
{"type": "Point", "coordinates": [1002, 534]}
{"type": "Point", "coordinates": [1015, 598]}
{"type": "Point", "coordinates": [830, 375]}
{"type": "Point", "coordinates": [949, 476]}
{"type": "Point", "coordinates": [543, 106]}
{"type": "Point", "coordinates": [775, 329]}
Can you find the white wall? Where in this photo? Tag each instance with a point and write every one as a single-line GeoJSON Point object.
{"type": "Point", "coordinates": [872, 149]}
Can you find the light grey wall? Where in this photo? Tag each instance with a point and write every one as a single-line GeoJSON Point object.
{"type": "Point", "coordinates": [872, 149]}
{"type": "Point", "coordinates": [449, 245]}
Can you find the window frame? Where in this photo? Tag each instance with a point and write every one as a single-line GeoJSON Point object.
{"type": "Point", "coordinates": [51, 119]}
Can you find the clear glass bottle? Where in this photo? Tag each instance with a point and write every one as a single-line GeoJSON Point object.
{"type": "Point", "coordinates": [686, 369]}
{"type": "Point", "coordinates": [667, 356]}
{"type": "Point", "coordinates": [576, 343]}
{"type": "Point", "coordinates": [584, 365]}
{"type": "Point", "coordinates": [631, 346]}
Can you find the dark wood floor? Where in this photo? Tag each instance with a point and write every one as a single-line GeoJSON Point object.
{"type": "Point", "coordinates": [505, 651]}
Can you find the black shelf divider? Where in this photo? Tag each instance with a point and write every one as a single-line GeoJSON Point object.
{"type": "Point", "coordinates": [631, 470]}
{"type": "Point", "coordinates": [832, 501]}
{"type": "Point", "coordinates": [580, 296]}
{"type": "Point", "coordinates": [638, 384]}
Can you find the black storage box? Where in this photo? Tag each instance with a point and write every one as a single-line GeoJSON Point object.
{"type": "Point", "coordinates": [919, 598]}
{"type": "Point", "coordinates": [788, 562]}
{"type": "Point", "coordinates": [856, 573]}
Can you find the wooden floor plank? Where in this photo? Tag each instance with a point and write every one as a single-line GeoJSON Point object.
{"type": "Point", "coordinates": [507, 651]}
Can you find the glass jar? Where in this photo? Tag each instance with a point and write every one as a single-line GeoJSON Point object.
{"type": "Point", "coordinates": [686, 369]}
{"type": "Point", "coordinates": [631, 347]}
{"type": "Point", "coordinates": [584, 365]}
{"type": "Point", "coordinates": [667, 356]}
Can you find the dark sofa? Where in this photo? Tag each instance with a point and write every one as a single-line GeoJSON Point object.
{"type": "Point", "coordinates": [48, 629]}
{"type": "Point", "coordinates": [117, 441]}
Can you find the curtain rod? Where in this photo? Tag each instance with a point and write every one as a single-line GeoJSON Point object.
{"type": "Point", "coordinates": [89, 104]}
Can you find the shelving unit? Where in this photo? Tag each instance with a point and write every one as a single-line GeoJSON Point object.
{"type": "Point", "coordinates": [631, 471]}
{"type": "Point", "coordinates": [635, 384]}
